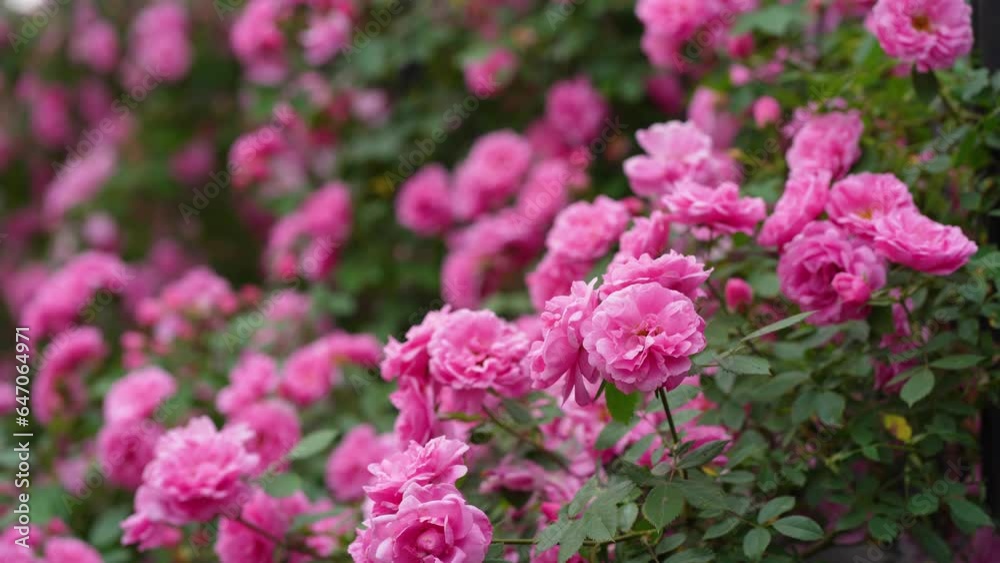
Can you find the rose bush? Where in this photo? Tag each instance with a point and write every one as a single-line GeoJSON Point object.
{"type": "Point", "coordinates": [532, 280]}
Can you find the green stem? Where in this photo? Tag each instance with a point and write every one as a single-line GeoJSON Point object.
{"type": "Point", "coordinates": [537, 444]}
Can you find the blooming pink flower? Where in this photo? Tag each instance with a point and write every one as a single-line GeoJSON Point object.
{"type": "Point", "coordinates": [913, 240]}
{"type": "Point", "coordinates": [276, 430]}
{"type": "Point", "coordinates": [859, 200]}
{"type": "Point", "coordinates": [553, 277]}
{"type": "Point", "coordinates": [766, 111]}
{"type": "Point", "coordinates": [485, 76]}
{"type": "Point", "coordinates": [125, 447]}
{"type": "Point", "coordinates": [546, 190]}
{"type": "Point", "coordinates": [432, 524]}
{"type": "Point", "coordinates": [641, 336]}
{"type": "Point", "coordinates": [424, 202]}
{"type": "Point", "coordinates": [159, 41]}
{"type": "Point", "coordinates": [490, 174]}
{"type": "Point", "coordinates": [585, 231]}
{"type": "Point", "coordinates": [438, 462]}
{"type": "Point", "coordinates": [409, 359]}
{"type": "Point", "coordinates": [674, 151]}
{"type": "Point", "coordinates": [58, 389]}
{"type": "Point", "coordinates": [238, 543]}
{"type": "Point", "coordinates": [805, 194]}
{"type": "Point", "coordinates": [194, 162]}
{"type": "Point", "coordinates": [141, 529]}
{"type": "Point", "coordinates": [138, 395]}
{"type": "Point", "coordinates": [476, 350]}
{"type": "Point", "coordinates": [738, 293]}
{"type": "Point", "coordinates": [95, 43]}
{"type": "Point", "coordinates": [826, 271]}
{"type": "Point", "coordinates": [347, 468]}
{"type": "Point", "coordinates": [673, 270]}
{"type": "Point", "coordinates": [259, 43]}
{"type": "Point", "coordinates": [197, 473]}
{"type": "Point", "coordinates": [930, 33]}
{"type": "Point", "coordinates": [309, 374]}
{"type": "Point", "coordinates": [675, 18]}
{"type": "Point", "coordinates": [646, 236]}
{"type": "Point", "coordinates": [827, 142]}
{"type": "Point", "coordinates": [560, 354]}
{"type": "Point", "coordinates": [707, 112]}
{"type": "Point", "coordinates": [720, 209]}
{"type": "Point", "coordinates": [251, 379]}
{"type": "Point", "coordinates": [576, 110]}
{"type": "Point", "coordinates": [307, 242]}
{"type": "Point", "coordinates": [70, 549]}
{"type": "Point", "coordinates": [417, 420]}
{"type": "Point", "coordinates": [325, 36]}
{"type": "Point", "coordinates": [64, 296]}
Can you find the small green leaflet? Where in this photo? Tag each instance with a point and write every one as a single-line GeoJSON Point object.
{"type": "Point", "coordinates": [775, 327]}
{"type": "Point", "coordinates": [313, 444]}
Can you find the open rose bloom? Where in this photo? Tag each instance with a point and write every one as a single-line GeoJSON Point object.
{"type": "Point", "coordinates": [500, 280]}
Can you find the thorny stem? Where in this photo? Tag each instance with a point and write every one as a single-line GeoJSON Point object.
{"type": "Point", "coordinates": [662, 394]}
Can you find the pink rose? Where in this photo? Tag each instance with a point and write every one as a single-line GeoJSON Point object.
{"type": "Point", "coordinates": [640, 337]}
{"type": "Point", "coordinates": [810, 264]}
{"type": "Point", "coordinates": [490, 174]}
{"type": "Point", "coordinates": [251, 379]}
{"type": "Point", "coordinates": [409, 359]}
{"type": "Point", "coordinates": [720, 209]}
{"type": "Point", "coordinates": [58, 389]}
{"type": "Point", "coordinates": [325, 36]}
{"type": "Point", "coordinates": [560, 354]}
{"type": "Point", "coordinates": [858, 200]}
{"type": "Point", "coordinates": [738, 294]}
{"type": "Point", "coordinates": [431, 524]}
{"type": "Point", "coordinates": [913, 240]}
{"type": "Point", "coordinates": [673, 270]}
{"type": "Point", "coordinates": [647, 236]}
{"type": "Point", "coordinates": [476, 350]}
{"type": "Point", "coordinates": [554, 276]}
{"type": "Point", "coordinates": [347, 468]}
{"type": "Point", "coordinates": [930, 33]}
{"type": "Point", "coordinates": [576, 110]}
{"type": "Point", "coordinates": [70, 549]}
{"type": "Point", "coordinates": [674, 151]}
{"type": "Point", "coordinates": [827, 142]}
{"type": "Point", "coordinates": [138, 395]}
{"type": "Point", "coordinates": [438, 462]}
{"type": "Point", "coordinates": [124, 449]}
{"type": "Point", "coordinates": [766, 111]}
{"type": "Point", "coordinates": [276, 430]}
{"type": "Point", "coordinates": [805, 194]}
{"type": "Point", "coordinates": [585, 231]}
{"type": "Point", "coordinates": [424, 202]}
{"type": "Point", "coordinates": [197, 473]}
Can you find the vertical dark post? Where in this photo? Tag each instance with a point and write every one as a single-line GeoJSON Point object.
{"type": "Point", "coordinates": [986, 20]}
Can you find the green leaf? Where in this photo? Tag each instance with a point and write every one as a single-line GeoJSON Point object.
{"type": "Point", "coordinates": [671, 542]}
{"type": "Point", "coordinates": [703, 454]}
{"type": "Point", "coordinates": [932, 543]}
{"type": "Point", "coordinates": [627, 514]}
{"type": "Point", "coordinates": [611, 434]}
{"type": "Point", "coordinates": [923, 504]}
{"type": "Point", "coordinates": [755, 543]}
{"type": "Point", "coordinates": [571, 541]}
{"type": "Point", "coordinates": [107, 528]}
{"type": "Point", "coordinates": [699, 555]}
{"type": "Point", "coordinates": [722, 528]}
{"type": "Point", "coordinates": [313, 444]}
{"type": "Point", "coordinates": [551, 534]}
{"type": "Point", "coordinates": [883, 529]}
{"type": "Point", "coordinates": [704, 495]}
{"type": "Point", "coordinates": [926, 85]}
{"type": "Point", "coordinates": [830, 407]}
{"type": "Point", "coordinates": [776, 326]}
{"type": "Point", "coordinates": [663, 504]}
{"type": "Point", "coordinates": [283, 485]}
{"type": "Point", "coordinates": [799, 528]}
{"type": "Point", "coordinates": [774, 508]}
{"type": "Point", "coordinates": [918, 387]}
{"type": "Point", "coordinates": [518, 412]}
{"type": "Point", "coordinates": [957, 362]}
{"type": "Point", "coordinates": [966, 511]}
{"type": "Point", "coordinates": [621, 406]}
{"type": "Point", "coordinates": [751, 365]}
{"type": "Point", "coordinates": [778, 386]}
